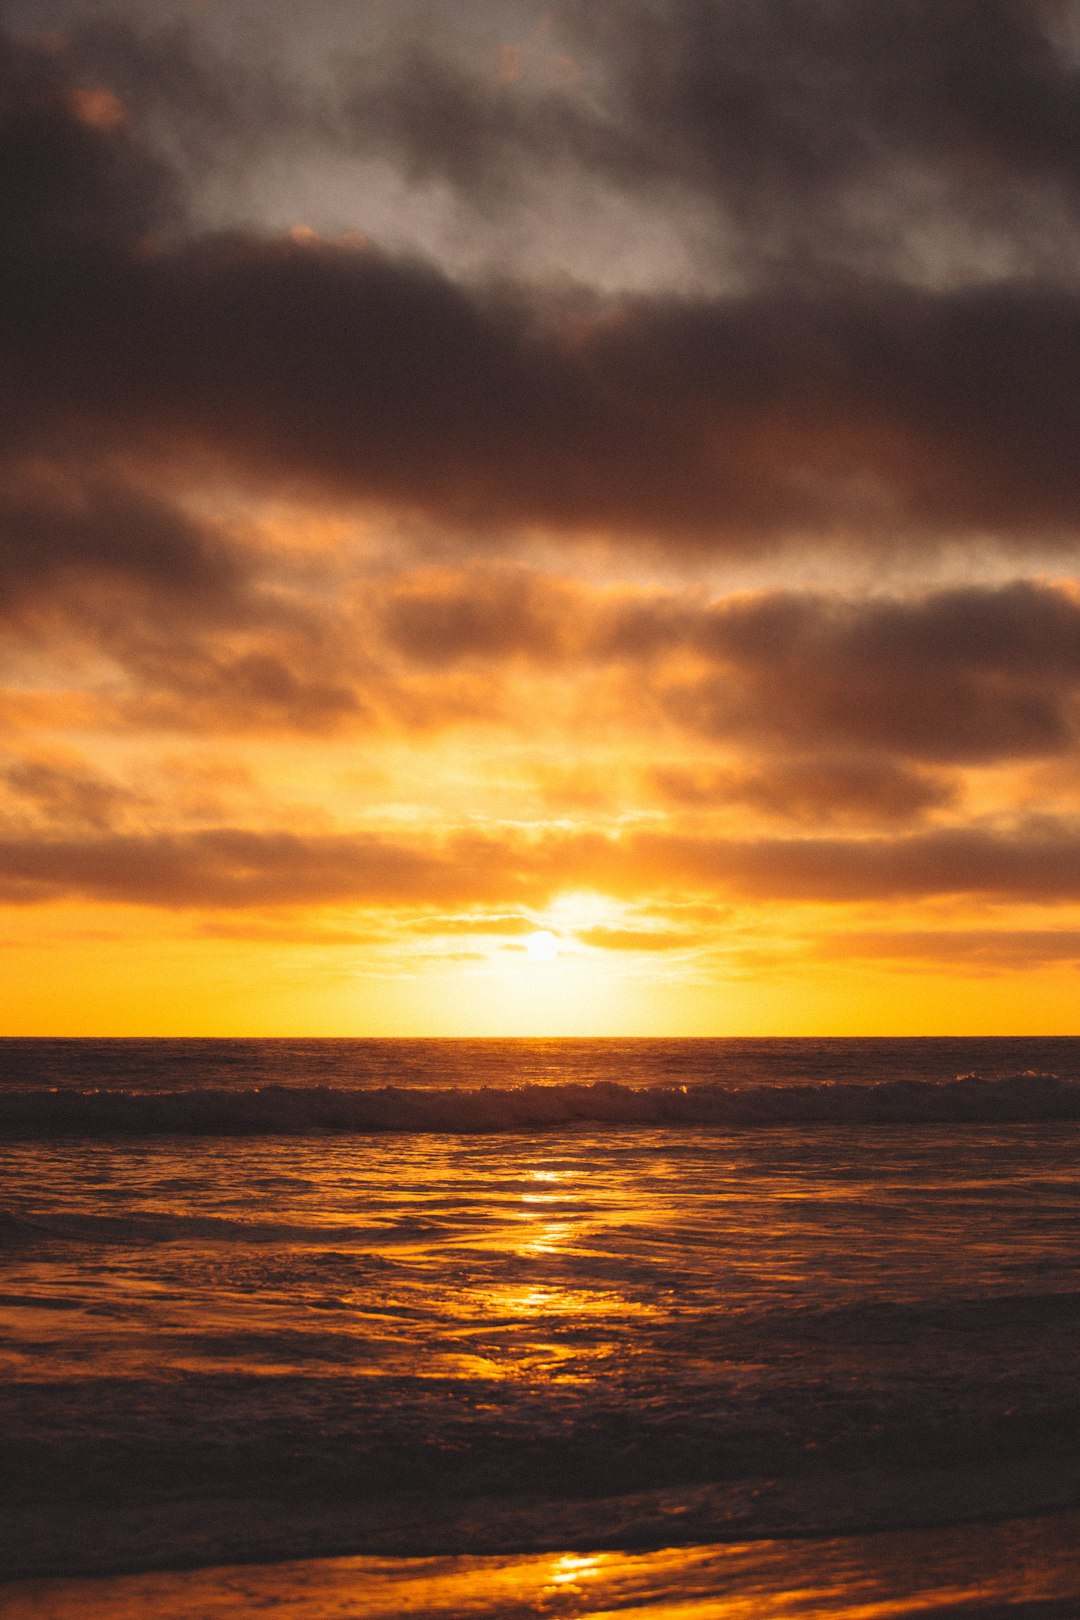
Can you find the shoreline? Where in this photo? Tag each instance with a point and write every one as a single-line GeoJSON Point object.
{"type": "Point", "coordinates": [73, 1542]}
{"type": "Point", "coordinates": [1021, 1566]}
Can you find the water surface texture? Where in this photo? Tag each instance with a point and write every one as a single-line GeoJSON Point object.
{"type": "Point", "coordinates": [838, 1296]}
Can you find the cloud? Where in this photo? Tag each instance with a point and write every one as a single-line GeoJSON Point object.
{"type": "Point", "coordinates": [475, 923]}
{"type": "Point", "coordinates": [1039, 862]}
{"type": "Point", "coordinates": [970, 674]}
{"type": "Point", "coordinates": [240, 868]}
{"type": "Point", "coordinates": [866, 410]}
{"type": "Point", "coordinates": [812, 791]}
{"type": "Point", "coordinates": [883, 362]}
{"type": "Point", "coordinates": [965, 675]}
{"type": "Point", "coordinates": [201, 628]}
{"type": "Point", "coordinates": [790, 108]}
{"type": "Point", "coordinates": [849, 708]}
{"type": "Point", "coordinates": [63, 790]}
{"type": "Point", "coordinates": [227, 867]}
{"type": "Point", "coordinates": [843, 707]}
{"type": "Point", "coordinates": [204, 107]}
{"type": "Point", "coordinates": [781, 127]}
{"type": "Point", "coordinates": [734, 424]}
{"type": "Point", "coordinates": [990, 950]}
{"type": "Point", "coordinates": [258, 683]}
{"type": "Point", "coordinates": [68, 531]}
{"type": "Point", "coordinates": [805, 137]}
{"type": "Point", "coordinates": [441, 618]}
{"type": "Point", "coordinates": [71, 173]}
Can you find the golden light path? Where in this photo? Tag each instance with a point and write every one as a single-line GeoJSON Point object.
{"type": "Point", "coordinates": [881, 1577]}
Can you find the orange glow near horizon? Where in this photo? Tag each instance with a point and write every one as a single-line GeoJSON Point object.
{"type": "Point", "coordinates": [458, 581]}
{"type": "Point", "coordinates": [488, 801]}
{"type": "Point", "coordinates": [73, 972]}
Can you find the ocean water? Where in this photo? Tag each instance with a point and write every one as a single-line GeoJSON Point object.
{"type": "Point", "coordinates": [713, 1323]}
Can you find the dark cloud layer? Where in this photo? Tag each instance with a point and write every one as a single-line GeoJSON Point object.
{"type": "Point", "coordinates": [787, 125]}
{"type": "Point", "coordinates": [787, 122]}
{"type": "Point", "coordinates": [887, 359]}
{"type": "Point", "coordinates": [234, 867]}
{"type": "Point", "coordinates": [965, 675]}
{"type": "Point", "coordinates": [813, 791]}
{"type": "Point", "coordinates": [861, 410]}
{"type": "Point", "coordinates": [227, 867]}
{"type": "Point", "coordinates": [1039, 863]}
{"type": "Point", "coordinates": [59, 533]}
{"type": "Point", "coordinates": [733, 424]}
{"type": "Point", "coordinates": [65, 792]}
{"type": "Point", "coordinates": [71, 176]}
{"type": "Point", "coordinates": [860, 704]}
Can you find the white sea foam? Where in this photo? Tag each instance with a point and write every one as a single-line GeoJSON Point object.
{"type": "Point", "coordinates": [297, 1111]}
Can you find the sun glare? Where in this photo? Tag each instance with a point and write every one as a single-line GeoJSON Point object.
{"type": "Point", "coordinates": [543, 946]}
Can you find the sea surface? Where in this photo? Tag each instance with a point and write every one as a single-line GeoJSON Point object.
{"type": "Point", "coordinates": [656, 1327]}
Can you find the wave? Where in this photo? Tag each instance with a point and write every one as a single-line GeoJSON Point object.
{"type": "Point", "coordinates": [146, 1228]}
{"type": "Point", "coordinates": [728, 1525]}
{"type": "Point", "coordinates": [1028, 1098]}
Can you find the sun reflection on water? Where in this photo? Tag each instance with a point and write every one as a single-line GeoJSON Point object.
{"type": "Point", "coordinates": [879, 1577]}
{"type": "Point", "coordinates": [547, 1239]}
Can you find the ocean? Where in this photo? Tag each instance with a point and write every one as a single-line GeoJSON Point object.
{"type": "Point", "coordinates": [684, 1328]}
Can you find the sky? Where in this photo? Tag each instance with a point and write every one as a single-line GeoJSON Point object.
{"type": "Point", "coordinates": [529, 519]}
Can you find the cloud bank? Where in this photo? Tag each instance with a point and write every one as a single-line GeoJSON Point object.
{"type": "Point", "coordinates": [645, 466]}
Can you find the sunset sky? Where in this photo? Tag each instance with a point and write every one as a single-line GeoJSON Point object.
{"type": "Point", "coordinates": [539, 518]}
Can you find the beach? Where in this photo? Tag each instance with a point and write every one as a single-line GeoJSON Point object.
{"type": "Point", "coordinates": [244, 1338]}
{"type": "Point", "coordinates": [1015, 1569]}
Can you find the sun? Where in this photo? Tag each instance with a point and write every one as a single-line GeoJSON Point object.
{"type": "Point", "coordinates": [543, 946]}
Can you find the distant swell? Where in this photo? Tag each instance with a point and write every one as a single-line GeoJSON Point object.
{"type": "Point", "coordinates": [300, 1111]}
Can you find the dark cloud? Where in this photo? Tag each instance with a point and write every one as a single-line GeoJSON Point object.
{"type": "Point", "coordinates": [1038, 863]}
{"type": "Point", "coordinates": [736, 424]}
{"type": "Point", "coordinates": [272, 681]}
{"type": "Point", "coordinates": [863, 411]}
{"type": "Point", "coordinates": [451, 119]}
{"type": "Point", "coordinates": [445, 618]}
{"type": "Point", "coordinates": [778, 106]}
{"type": "Point", "coordinates": [805, 134]}
{"type": "Point", "coordinates": [71, 171]}
{"type": "Point", "coordinates": [234, 867]}
{"type": "Point", "coordinates": [65, 530]}
{"type": "Point", "coordinates": [197, 633]}
{"type": "Point", "coordinates": [227, 867]}
{"type": "Point", "coordinates": [68, 792]}
{"type": "Point", "coordinates": [850, 708]}
{"type": "Point", "coordinates": [815, 792]}
{"type": "Point", "coordinates": [965, 675]}
{"type": "Point", "coordinates": [206, 107]}
{"type": "Point", "coordinates": [968, 675]}
{"type": "Point", "coordinates": [841, 698]}
{"type": "Point", "coordinates": [786, 124]}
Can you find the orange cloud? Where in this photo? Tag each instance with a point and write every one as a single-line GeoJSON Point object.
{"type": "Point", "coordinates": [376, 588]}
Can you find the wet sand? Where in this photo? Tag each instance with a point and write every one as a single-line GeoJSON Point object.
{"type": "Point", "coordinates": [1021, 1568]}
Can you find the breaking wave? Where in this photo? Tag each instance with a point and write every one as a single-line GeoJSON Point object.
{"type": "Point", "coordinates": [1029, 1098]}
